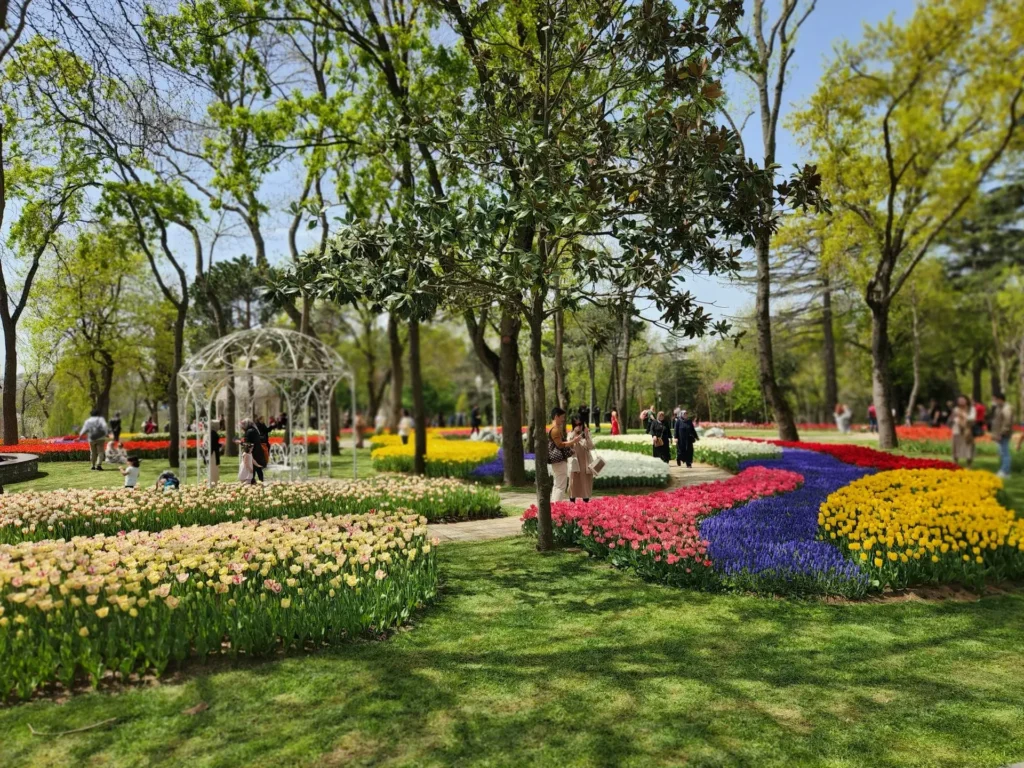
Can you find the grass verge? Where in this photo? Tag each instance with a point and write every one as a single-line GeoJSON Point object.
{"type": "Point", "coordinates": [562, 660]}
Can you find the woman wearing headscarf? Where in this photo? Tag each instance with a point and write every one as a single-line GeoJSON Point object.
{"type": "Point", "coordinates": [661, 436]}
{"type": "Point", "coordinates": [686, 436]}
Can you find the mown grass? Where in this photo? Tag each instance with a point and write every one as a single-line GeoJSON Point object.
{"type": "Point", "coordinates": [54, 475]}
{"type": "Point", "coordinates": [563, 661]}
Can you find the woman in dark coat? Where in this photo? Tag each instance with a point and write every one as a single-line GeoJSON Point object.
{"type": "Point", "coordinates": [659, 430]}
{"type": "Point", "coordinates": [686, 436]}
{"type": "Point", "coordinates": [254, 437]}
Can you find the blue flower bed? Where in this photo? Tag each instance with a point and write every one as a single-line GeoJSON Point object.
{"type": "Point", "coordinates": [494, 469]}
{"type": "Point", "coordinates": [770, 544]}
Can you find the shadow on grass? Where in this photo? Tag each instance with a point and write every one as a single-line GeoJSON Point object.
{"type": "Point", "coordinates": [561, 660]}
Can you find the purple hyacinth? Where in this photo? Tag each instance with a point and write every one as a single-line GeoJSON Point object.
{"type": "Point", "coordinates": [494, 468]}
{"type": "Point", "coordinates": [769, 543]}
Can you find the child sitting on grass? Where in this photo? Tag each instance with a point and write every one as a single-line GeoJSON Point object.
{"type": "Point", "coordinates": [115, 452]}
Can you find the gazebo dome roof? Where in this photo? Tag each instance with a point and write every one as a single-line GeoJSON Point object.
{"type": "Point", "coordinates": [266, 352]}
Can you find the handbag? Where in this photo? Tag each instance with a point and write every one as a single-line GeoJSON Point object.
{"type": "Point", "coordinates": [574, 465]}
{"type": "Point", "coordinates": [557, 455]}
{"type": "Point", "coordinates": [597, 466]}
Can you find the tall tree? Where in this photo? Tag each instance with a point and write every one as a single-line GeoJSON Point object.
{"type": "Point", "coordinates": [92, 303]}
{"type": "Point", "coordinates": [770, 55]}
{"type": "Point", "coordinates": [44, 172]}
{"type": "Point", "coordinates": [586, 122]}
{"type": "Point", "coordinates": [907, 125]}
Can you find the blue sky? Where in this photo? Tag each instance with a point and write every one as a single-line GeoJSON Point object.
{"type": "Point", "coordinates": [831, 21]}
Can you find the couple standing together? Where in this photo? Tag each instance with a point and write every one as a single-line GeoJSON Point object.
{"type": "Point", "coordinates": [574, 464]}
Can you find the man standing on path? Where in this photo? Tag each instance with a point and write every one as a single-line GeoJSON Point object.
{"type": "Point", "coordinates": [686, 436]}
{"type": "Point", "coordinates": [96, 429]}
{"type": "Point", "coordinates": [1002, 429]}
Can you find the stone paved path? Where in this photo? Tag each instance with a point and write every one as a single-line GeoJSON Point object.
{"type": "Point", "coordinates": [501, 527]}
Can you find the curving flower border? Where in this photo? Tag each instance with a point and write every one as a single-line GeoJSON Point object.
{"type": "Point", "coordinates": [658, 535]}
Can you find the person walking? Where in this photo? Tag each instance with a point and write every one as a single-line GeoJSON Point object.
{"type": "Point", "coordinates": [405, 427]}
{"type": "Point", "coordinates": [843, 417]}
{"type": "Point", "coordinates": [96, 430]}
{"type": "Point", "coordinates": [560, 450]}
{"type": "Point", "coordinates": [661, 437]}
{"type": "Point", "coordinates": [474, 420]}
{"type": "Point", "coordinates": [615, 422]}
{"type": "Point", "coordinates": [686, 435]}
{"type": "Point", "coordinates": [115, 426]}
{"type": "Point", "coordinates": [962, 424]}
{"type": "Point", "coordinates": [872, 418]}
{"type": "Point", "coordinates": [581, 465]}
{"type": "Point", "coordinates": [1002, 430]}
{"type": "Point", "coordinates": [253, 438]}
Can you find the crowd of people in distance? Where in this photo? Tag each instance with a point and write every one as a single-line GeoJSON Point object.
{"type": "Point", "coordinates": [967, 419]}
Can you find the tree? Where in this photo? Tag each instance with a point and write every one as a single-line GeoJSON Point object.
{"type": "Point", "coordinates": [906, 126]}
{"type": "Point", "coordinates": [587, 123]}
{"type": "Point", "coordinates": [91, 306]}
{"type": "Point", "coordinates": [767, 68]}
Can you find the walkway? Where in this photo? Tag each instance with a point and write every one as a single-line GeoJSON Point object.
{"type": "Point", "coordinates": [501, 527]}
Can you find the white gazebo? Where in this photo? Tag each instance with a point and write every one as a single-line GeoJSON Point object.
{"type": "Point", "coordinates": [263, 367]}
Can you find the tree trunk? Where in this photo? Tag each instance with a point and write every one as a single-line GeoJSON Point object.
{"type": "Point", "coordinates": [829, 349]}
{"type": "Point", "coordinates": [105, 385]}
{"type": "Point", "coordinates": [1000, 361]}
{"type": "Point", "coordinates": [1020, 379]}
{"type": "Point", "coordinates": [592, 374]}
{"type": "Point", "coordinates": [545, 535]}
{"type": "Point", "coordinates": [908, 417]}
{"type": "Point", "coordinates": [765, 352]}
{"type": "Point", "coordinates": [881, 382]}
{"type": "Point", "coordinates": [174, 427]}
{"type": "Point", "coordinates": [622, 385]}
{"type": "Point", "coordinates": [10, 393]}
{"type": "Point", "coordinates": [231, 417]}
{"type": "Point", "coordinates": [419, 411]}
{"type": "Point", "coordinates": [561, 388]}
{"type": "Point", "coordinates": [609, 393]}
{"type": "Point", "coordinates": [977, 368]}
{"type": "Point", "coordinates": [397, 373]}
{"type": "Point", "coordinates": [526, 396]}
{"type": "Point", "coordinates": [510, 387]}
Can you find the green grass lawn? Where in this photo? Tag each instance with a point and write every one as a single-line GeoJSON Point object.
{"type": "Point", "coordinates": [76, 474]}
{"type": "Point", "coordinates": [563, 661]}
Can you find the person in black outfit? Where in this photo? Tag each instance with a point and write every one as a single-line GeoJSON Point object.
{"type": "Point", "coordinates": [659, 430]}
{"type": "Point", "coordinates": [264, 431]}
{"type": "Point", "coordinates": [115, 426]}
{"type": "Point", "coordinates": [686, 436]}
{"type": "Point", "coordinates": [215, 451]}
{"type": "Point", "coordinates": [259, 455]}
{"type": "Point", "coordinates": [474, 420]}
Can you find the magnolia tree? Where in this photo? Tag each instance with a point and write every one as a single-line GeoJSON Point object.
{"type": "Point", "coordinates": [591, 166]}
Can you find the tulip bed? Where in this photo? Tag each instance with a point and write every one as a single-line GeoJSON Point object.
{"type": "Point", "coordinates": [143, 447]}
{"type": "Point", "coordinates": [659, 535]}
{"type": "Point", "coordinates": [63, 514]}
{"type": "Point", "coordinates": [916, 526]}
{"type": "Point", "coordinates": [862, 456]}
{"type": "Point", "coordinates": [445, 458]}
{"type": "Point", "coordinates": [623, 469]}
{"type": "Point", "coordinates": [142, 600]}
{"type": "Point", "coordinates": [721, 452]}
